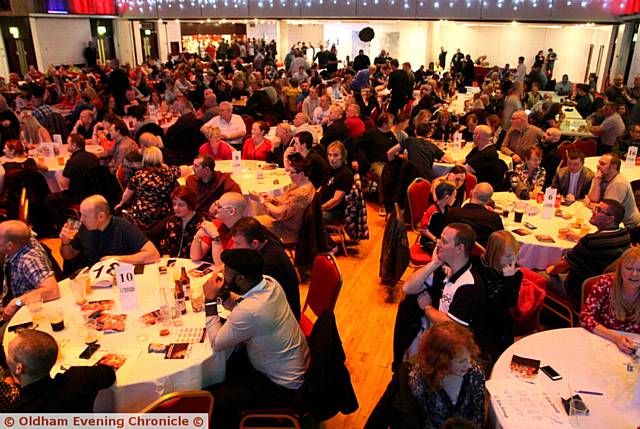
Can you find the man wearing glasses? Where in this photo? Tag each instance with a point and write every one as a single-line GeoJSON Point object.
{"type": "Point", "coordinates": [520, 136]}
{"type": "Point", "coordinates": [592, 253]}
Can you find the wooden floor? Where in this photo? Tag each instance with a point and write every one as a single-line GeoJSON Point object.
{"type": "Point", "coordinates": [365, 318]}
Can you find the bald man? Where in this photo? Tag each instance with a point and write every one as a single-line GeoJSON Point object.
{"type": "Point", "coordinates": [103, 236]}
{"type": "Point", "coordinates": [214, 237]}
{"type": "Point", "coordinates": [520, 136]}
{"type": "Point", "coordinates": [483, 160]}
{"type": "Point", "coordinates": [476, 214]}
{"type": "Point", "coordinates": [26, 268]}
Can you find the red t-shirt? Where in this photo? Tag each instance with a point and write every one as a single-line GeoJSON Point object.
{"type": "Point", "coordinates": [226, 239]}
{"type": "Point", "coordinates": [224, 151]}
{"type": "Point", "coordinates": [355, 126]}
{"type": "Point", "coordinates": [250, 152]}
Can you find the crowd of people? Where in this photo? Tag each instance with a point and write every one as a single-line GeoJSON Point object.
{"type": "Point", "coordinates": [330, 125]}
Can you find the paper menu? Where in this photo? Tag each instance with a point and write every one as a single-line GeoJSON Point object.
{"type": "Point", "coordinates": [519, 405]}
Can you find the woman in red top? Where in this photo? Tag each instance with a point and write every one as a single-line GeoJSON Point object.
{"type": "Point", "coordinates": [215, 147]}
{"type": "Point", "coordinates": [614, 303]}
{"type": "Point", "coordinates": [257, 147]}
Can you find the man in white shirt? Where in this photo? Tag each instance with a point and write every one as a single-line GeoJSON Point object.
{"type": "Point", "coordinates": [311, 102]}
{"type": "Point", "coordinates": [521, 71]}
{"type": "Point", "coordinates": [232, 127]}
{"type": "Point", "coordinates": [321, 113]}
{"type": "Point", "coordinates": [271, 370]}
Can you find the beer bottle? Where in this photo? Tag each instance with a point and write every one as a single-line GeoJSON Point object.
{"type": "Point", "coordinates": [178, 294]}
{"type": "Point", "coordinates": [185, 281]}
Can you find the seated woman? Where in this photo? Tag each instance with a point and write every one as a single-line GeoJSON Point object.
{"type": "Point", "coordinates": [444, 381]}
{"type": "Point", "coordinates": [133, 160]}
{"type": "Point", "coordinates": [334, 190]}
{"type": "Point", "coordinates": [215, 147]}
{"type": "Point", "coordinates": [257, 147]}
{"type": "Point", "coordinates": [13, 161]}
{"type": "Point", "coordinates": [33, 133]}
{"type": "Point", "coordinates": [147, 197]}
{"type": "Point", "coordinates": [528, 176]}
{"type": "Point", "coordinates": [434, 219]}
{"type": "Point", "coordinates": [180, 229]}
{"type": "Point", "coordinates": [444, 127]}
{"type": "Point", "coordinates": [284, 214]}
{"type": "Point", "coordinates": [502, 280]}
{"type": "Point", "coordinates": [457, 175]}
{"type": "Point", "coordinates": [614, 303]}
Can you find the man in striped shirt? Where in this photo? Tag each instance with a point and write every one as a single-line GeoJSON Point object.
{"type": "Point", "coordinates": [593, 252]}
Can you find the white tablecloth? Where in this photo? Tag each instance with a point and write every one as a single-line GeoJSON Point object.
{"type": "Point", "coordinates": [630, 174]}
{"type": "Point", "coordinates": [586, 362]}
{"type": "Point", "coordinates": [144, 377]}
{"type": "Point", "coordinates": [533, 253]}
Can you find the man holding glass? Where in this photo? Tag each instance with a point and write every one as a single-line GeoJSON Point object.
{"type": "Point", "coordinates": [26, 268]}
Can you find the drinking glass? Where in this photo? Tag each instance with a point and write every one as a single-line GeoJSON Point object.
{"type": "Point", "coordinates": [90, 331]}
{"type": "Point", "coordinates": [34, 301]}
{"type": "Point", "coordinates": [577, 409]}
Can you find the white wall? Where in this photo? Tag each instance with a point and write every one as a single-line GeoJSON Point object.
{"type": "Point", "coordinates": [4, 62]}
{"type": "Point", "coordinates": [173, 34]}
{"type": "Point", "coordinates": [123, 41]}
{"type": "Point", "coordinates": [59, 40]}
{"type": "Point", "coordinates": [259, 30]}
{"type": "Point", "coordinates": [504, 43]}
{"type": "Point", "coordinates": [635, 62]}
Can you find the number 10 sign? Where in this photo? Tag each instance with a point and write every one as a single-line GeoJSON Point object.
{"type": "Point", "coordinates": [126, 283]}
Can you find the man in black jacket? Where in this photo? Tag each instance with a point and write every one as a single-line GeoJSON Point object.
{"type": "Point", "coordinates": [399, 86]}
{"type": "Point", "coordinates": [30, 357]}
{"type": "Point", "coordinates": [476, 214]}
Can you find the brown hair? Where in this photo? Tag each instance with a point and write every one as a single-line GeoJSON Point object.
{"type": "Point", "coordinates": [438, 346]}
{"type": "Point", "coordinates": [498, 243]}
{"type": "Point", "coordinates": [186, 195]}
{"type": "Point", "coordinates": [16, 146]}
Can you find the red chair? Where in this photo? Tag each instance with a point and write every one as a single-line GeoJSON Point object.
{"type": "Point", "coordinates": [478, 250]}
{"type": "Point", "coordinates": [588, 146]}
{"type": "Point", "coordinates": [408, 106]}
{"type": "Point", "coordinates": [196, 401]}
{"type": "Point", "coordinates": [120, 177]}
{"type": "Point", "coordinates": [526, 313]}
{"type": "Point", "coordinates": [587, 286]}
{"type": "Point", "coordinates": [470, 182]}
{"type": "Point", "coordinates": [324, 288]}
{"type": "Point", "coordinates": [564, 148]}
{"type": "Point", "coordinates": [418, 197]}
{"type": "Point", "coordinates": [248, 123]}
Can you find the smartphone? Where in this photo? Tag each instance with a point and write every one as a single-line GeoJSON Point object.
{"type": "Point", "coordinates": [201, 270]}
{"type": "Point", "coordinates": [89, 351]}
{"type": "Point", "coordinates": [530, 225]}
{"type": "Point", "coordinates": [171, 262]}
{"type": "Point", "coordinates": [551, 373]}
{"type": "Point", "coordinates": [20, 327]}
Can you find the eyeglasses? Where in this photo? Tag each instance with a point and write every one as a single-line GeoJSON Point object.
{"type": "Point", "coordinates": [218, 207]}
{"type": "Point", "coordinates": [598, 209]}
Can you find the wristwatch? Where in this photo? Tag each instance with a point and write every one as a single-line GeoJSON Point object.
{"type": "Point", "coordinates": [19, 303]}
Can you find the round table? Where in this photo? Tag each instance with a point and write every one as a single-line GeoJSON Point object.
{"type": "Point", "coordinates": [144, 376]}
{"type": "Point", "coordinates": [629, 173]}
{"type": "Point", "coordinates": [459, 156]}
{"type": "Point", "coordinates": [586, 362]}
{"type": "Point", "coordinates": [535, 254]}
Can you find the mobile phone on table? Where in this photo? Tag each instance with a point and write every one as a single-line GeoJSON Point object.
{"type": "Point", "coordinates": [201, 270]}
{"type": "Point", "coordinates": [20, 327]}
{"type": "Point", "coordinates": [551, 373]}
{"type": "Point", "coordinates": [530, 225]}
{"type": "Point", "coordinates": [89, 351]}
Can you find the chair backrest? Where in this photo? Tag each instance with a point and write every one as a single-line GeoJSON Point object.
{"type": "Point", "coordinates": [248, 123]}
{"type": "Point", "coordinates": [587, 285]}
{"type": "Point", "coordinates": [324, 285]}
{"type": "Point", "coordinates": [195, 401]}
{"type": "Point", "coordinates": [587, 145]}
{"type": "Point", "coordinates": [470, 182]}
{"type": "Point", "coordinates": [478, 249]}
{"type": "Point", "coordinates": [120, 177]}
{"type": "Point", "coordinates": [418, 194]}
{"type": "Point", "coordinates": [564, 148]}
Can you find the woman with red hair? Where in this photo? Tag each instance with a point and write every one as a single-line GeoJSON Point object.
{"type": "Point", "coordinates": [444, 381]}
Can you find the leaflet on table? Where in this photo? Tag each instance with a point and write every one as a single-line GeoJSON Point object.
{"type": "Point", "coordinates": [525, 406]}
{"type": "Point", "coordinates": [119, 359]}
{"type": "Point", "coordinates": [102, 273]}
{"type": "Point", "coordinates": [109, 323]}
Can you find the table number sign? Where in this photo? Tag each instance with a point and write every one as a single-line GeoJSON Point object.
{"type": "Point", "coordinates": [126, 283]}
{"type": "Point", "coordinates": [57, 138]}
{"type": "Point", "coordinates": [548, 203]}
{"type": "Point", "coordinates": [46, 149]}
{"type": "Point", "coordinates": [457, 141]}
{"type": "Point", "coordinates": [236, 162]}
{"type": "Point", "coordinates": [632, 154]}
{"type": "Point", "coordinates": [102, 273]}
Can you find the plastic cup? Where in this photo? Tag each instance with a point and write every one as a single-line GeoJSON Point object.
{"type": "Point", "coordinates": [577, 410]}
{"type": "Point", "coordinates": [56, 318]}
{"type": "Point", "coordinates": [79, 290]}
{"type": "Point", "coordinates": [60, 160]}
{"type": "Point", "coordinates": [90, 333]}
{"type": "Point", "coordinates": [34, 304]}
{"type": "Point", "coordinates": [197, 299]}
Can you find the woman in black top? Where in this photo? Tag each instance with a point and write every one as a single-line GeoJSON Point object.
{"type": "Point", "coordinates": [338, 186]}
{"type": "Point", "coordinates": [180, 228]}
{"type": "Point", "coordinates": [502, 281]}
{"type": "Point", "coordinates": [367, 102]}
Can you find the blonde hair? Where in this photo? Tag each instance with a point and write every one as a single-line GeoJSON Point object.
{"type": "Point", "coordinates": [31, 128]}
{"type": "Point", "coordinates": [630, 256]}
{"type": "Point", "coordinates": [151, 157]}
{"type": "Point", "coordinates": [150, 140]}
{"type": "Point", "coordinates": [211, 132]}
{"type": "Point", "coordinates": [497, 245]}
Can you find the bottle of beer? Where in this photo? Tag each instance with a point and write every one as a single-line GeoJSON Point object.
{"type": "Point", "coordinates": [185, 281]}
{"type": "Point", "coordinates": [178, 294]}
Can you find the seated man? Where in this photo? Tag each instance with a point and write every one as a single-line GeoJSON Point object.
{"type": "Point", "coordinates": [30, 357]}
{"type": "Point", "coordinates": [520, 136]}
{"type": "Point", "coordinates": [483, 160]}
{"type": "Point", "coordinates": [248, 233]}
{"type": "Point", "coordinates": [456, 293]}
{"type": "Point", "coordinates": [73, 177]}
{"type": "Point", "coordinates": [574, 180]}
{"type": "Point", "coordinates": [593, 252]}
{"type": "Point", "coordinates": [303, 144]}
{"type": "Point", "coordinates": [476, 214]}
{"type": "Point", "coordinates": [301, 123]}
{"type": "Point", "coordinates": [232, 127]}
{"type": "Point", "coordinates": [262, 322]}
{"type": "Point", "coordinates": [610, 184]}
{"type": "Point", "coordinates": [214, 237]}
{"type": "Point", "coordinates": [335, 129]}
{"type": "Point", "coordinates": [628, 139]}
{"type": "Point", "coordinates": [84, 125]}
{"type": "Point", "coordinates": [123, 145]}
{"type": "Point", "coordinates": [208, 184]}
{"type": "Point", "coordinates": [421, 151]}
{"type": "Point", "coordinates": [104, 236]}
{"type": "Point", "coordinates": [564, 87]}
{"type": "Point", "coordinates": [26, 268]}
